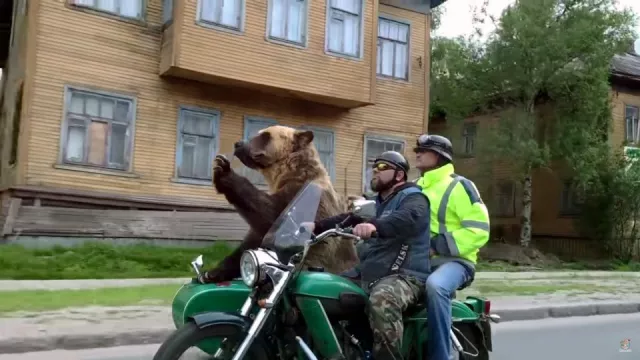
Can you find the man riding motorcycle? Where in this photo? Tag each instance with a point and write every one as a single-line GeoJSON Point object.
{"type": "Point", "coordinates": [459, 226]}
{"type": "Point", "coordinates": [394, 259]}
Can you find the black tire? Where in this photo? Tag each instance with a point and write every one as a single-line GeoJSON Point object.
{"type": "Point", "coordinates": [473, 336]}
{"type": "Point", "coordinates": [190, 335]}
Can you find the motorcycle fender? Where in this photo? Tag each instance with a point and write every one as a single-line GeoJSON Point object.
{"type": "Point", "coordinates": [206, 319]}
{"type": "Point", "coordinates": [485, 325]}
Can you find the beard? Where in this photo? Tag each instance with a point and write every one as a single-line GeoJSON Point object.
{"type": "Point", "coordinates": [379, 185]}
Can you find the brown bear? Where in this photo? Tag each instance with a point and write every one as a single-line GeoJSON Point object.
{"type": "Point", "coordinates": [287, 158]}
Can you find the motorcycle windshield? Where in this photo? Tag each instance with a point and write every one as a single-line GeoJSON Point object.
{"type": "Point", "coordinates": [285, 236]}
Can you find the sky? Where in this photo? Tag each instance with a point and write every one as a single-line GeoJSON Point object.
{"type": "Point", "coordinates": [456, 19]}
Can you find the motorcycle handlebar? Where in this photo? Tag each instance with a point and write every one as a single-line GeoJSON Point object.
{"type": "Point", "coordinates": [346, 232]}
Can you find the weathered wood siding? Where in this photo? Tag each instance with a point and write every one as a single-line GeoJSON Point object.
{"type": "Point", "coordinates": [94, 51]}
{"type": "Point", "coordinates": [12, 99]}
{"type": "Point", "coordinates": [246, 57]}
{"type": "Point", "coordinates": [52, 221]}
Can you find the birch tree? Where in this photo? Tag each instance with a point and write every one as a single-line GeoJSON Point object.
{"type": "Point", "coordinates": [555, 52]}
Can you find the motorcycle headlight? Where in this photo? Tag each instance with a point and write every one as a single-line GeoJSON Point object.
{"type": "Point", "coordinates": [249, 268]}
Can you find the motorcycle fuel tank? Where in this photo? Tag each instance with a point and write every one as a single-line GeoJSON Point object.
{"type": "Point", "coordinates": [324, 285]}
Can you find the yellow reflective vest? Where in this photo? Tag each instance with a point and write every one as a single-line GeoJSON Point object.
{"type": "Point", "coordinates": [459, 218]}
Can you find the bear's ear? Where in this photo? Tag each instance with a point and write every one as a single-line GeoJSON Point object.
{"type": "Point", "coordinates": [303, 138]}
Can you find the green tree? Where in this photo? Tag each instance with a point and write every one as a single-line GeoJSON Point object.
{"type": "Point", "coordinates": [555, 50]}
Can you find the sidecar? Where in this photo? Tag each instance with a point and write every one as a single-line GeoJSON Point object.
{"type": "Point", "coordinates": [193, 298]}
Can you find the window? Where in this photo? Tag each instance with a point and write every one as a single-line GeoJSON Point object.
{"type": "Point", "coordinates": [631, 124]}
{"type": "Point", "coordinates": [197, 143]}
{"type": "Point", "coordinates": [225, 13]}
{"type": "Point", "coordinates": [167, 11]}
{"type": "Point", "coordinates": [469, 131]}
{"type": "Point", "coordinates": [344, 27]}
{"type": "Point", "coordinates": [124, 8]}
{"type": "Point", "coordinates": [251, 127]}
{"type": "Point", "coordinates": [374, 146]}
{"type": "Point", "coordinates": [323, 139]}
{"type": "Point", "coordinates": [393, 49]}
{"type": "Point", "coordinates": [98, 129]}
{"type": "Point", "coordinates": [570, 201]}
{"type": "Point", "coordinates": [288, 20]}
{"type": "Point", "coordinates": [505, 198]}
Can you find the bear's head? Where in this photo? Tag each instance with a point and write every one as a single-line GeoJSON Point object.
{"type": "Point", "coordinates": [273, 145]}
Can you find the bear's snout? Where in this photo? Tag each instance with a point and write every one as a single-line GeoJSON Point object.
{"type": "Point", "coordinates": [238, 144]}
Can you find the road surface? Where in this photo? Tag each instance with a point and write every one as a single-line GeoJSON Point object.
{"type": "Point", "coordinates": [584, 338]}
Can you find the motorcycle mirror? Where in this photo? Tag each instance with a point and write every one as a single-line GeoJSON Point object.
{"type": "Point", "coordinates": [366, 209]}
{"type": "Point", "coordinates": [197, 264]}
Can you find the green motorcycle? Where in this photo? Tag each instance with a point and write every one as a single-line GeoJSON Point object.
{"type": "Point", "coordinates": [280, 309]}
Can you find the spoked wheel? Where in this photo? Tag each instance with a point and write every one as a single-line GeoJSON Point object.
{"type": "Point", "coordinates": [472, 344]}
{"type": "Point", "coordinates": [188, 342]}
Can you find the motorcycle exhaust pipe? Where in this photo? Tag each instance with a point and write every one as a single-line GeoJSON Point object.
{"type": "Point", "coordinates": [306, 349]}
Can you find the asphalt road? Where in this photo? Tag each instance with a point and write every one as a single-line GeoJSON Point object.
{"type": "Point", "coordinates": [584, 338]}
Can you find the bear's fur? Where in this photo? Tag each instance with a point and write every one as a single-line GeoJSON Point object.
{"type": "Point", "coordinates": [287, 158]}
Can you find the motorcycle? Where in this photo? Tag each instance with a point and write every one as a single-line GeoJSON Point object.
{"type": "Point", "coordinates": [279, 309]}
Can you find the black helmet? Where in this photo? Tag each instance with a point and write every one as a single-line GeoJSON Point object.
{"type": "Point", "coordinates": [396, 159]}
{"type": "Point", "coordinates": [437, 143]}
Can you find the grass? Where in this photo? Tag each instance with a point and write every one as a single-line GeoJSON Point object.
{"type": "Point", "coordinates": [43, 300]}
{"type": "Point", "coordinates": [102, 261]}
{"type": "Point", "coordinates": [565, 266]}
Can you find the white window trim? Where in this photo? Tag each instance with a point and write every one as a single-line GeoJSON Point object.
{"type": "Point", "coordinates": [367, 137]}
{"type": "Point", "coordinates": [222, 27]}
{"type": "Point", "coordinates": [276, 40]}
{"type": "Point", "coordinates": [68, 89]}
{"type": "Point", "coordinates": [142, 18]}
{"type": "Point", "coordinates": [360, 55]}
{"type": "Point", "coordinates": [332, 171]}
{"type": "Point", "coordinates": [409, 50]}
{"type": "Point", "coordinates": [216, 144]}
{"type": "Point", "coordinates": [626, 134]}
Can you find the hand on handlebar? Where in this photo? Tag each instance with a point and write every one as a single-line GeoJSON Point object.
{"type": "Point", "coordinates": [365, 230]}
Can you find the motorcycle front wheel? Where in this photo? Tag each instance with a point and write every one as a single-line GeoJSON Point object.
{"type": "Point", "coordinates": [189, 335]}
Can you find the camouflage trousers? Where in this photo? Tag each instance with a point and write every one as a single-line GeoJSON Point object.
{"type": "Point", "coordinates": [389, 298]}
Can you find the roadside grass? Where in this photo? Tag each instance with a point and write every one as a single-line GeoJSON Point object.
{"type": "Point", "coordinates": [104, 261]}
{"type": "Point", "coordinates": [44, 300]}
{"type": "Point", "coordinates": [565, 266]}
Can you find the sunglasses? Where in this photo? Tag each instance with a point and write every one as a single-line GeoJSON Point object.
{"type": "Point", "coordinates": [382, 167]}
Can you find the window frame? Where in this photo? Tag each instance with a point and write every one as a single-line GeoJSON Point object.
{"type": "Point", "coordinates": [496, 199]}
{"type": "Point", "coordinates": [365, 148]}
{"type": "Point", "coordinates": [465, 136]}
{"type": "Point", "coordinates": [64, 130]}
{"type": "Point", "coordinates": [167, 16]}
{"type": "Point", "coordinates": [330, 52]}
{"type": "Point", "coordinates": [626, 134]}
{"type": "Point", "coordinates": [142, 19]}
{"type": "Point", "coordinates": [215, 147]}
{"type": "Point", "coordinates": [570, 205]}
{"type": "Point", "coordinates": [332, 171]}
{"type": "Point", "coordinates": [218, 26]}
{"type": "Point", "coordinates": [282, 41]}
{"type": "Point", "coordinates": [245, 136]}
{"type": "Point", "coordinates": [409, 56]}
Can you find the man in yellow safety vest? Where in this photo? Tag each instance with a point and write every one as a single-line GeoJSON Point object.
{"type": "Point", "coordinates": [459, 228]}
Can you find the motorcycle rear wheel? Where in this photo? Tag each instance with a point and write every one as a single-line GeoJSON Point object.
{"type": "Point", "coordinates": [190, 335]}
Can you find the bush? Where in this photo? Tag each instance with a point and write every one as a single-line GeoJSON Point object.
{"type": "Point", "coordinates": [103, 261]}
{"type": "Point", "coordinates": [611, 207]}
